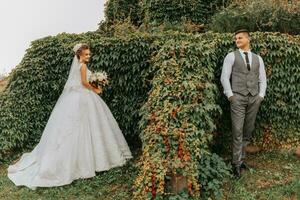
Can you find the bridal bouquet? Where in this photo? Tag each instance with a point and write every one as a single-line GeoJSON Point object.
{"type": "Point", "coordinates": [99, 79]}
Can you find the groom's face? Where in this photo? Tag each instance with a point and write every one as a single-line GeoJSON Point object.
{"type": "Point", "coordinates": [242, 40]}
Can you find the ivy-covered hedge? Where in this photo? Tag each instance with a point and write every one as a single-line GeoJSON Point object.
{"type": "Point", "coordinates": [179, 116]}
{"type": "Point", "coordinates": [165, 88]}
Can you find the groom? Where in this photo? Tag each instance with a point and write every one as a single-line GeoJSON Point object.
{"type": "Point", "coordinates": [244, 81]}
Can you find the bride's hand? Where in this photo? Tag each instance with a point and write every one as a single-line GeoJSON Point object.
{"type": "Point", "coordinates": [98, 90]}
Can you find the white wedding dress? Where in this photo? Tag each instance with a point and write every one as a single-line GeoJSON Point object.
{"type": "Point", "coordinates": [80, 138]}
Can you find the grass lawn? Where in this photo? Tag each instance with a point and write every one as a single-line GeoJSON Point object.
{"type": "Point", "coordinates": [111, 185]}
{"type": "Point", "coordinates": [276, 175]}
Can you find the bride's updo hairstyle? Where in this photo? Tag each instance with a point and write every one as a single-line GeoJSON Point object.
{"type": "Point", "coordinates": [79, 48]}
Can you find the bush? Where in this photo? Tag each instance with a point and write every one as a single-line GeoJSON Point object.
{"type": "Point", "coordinates": [212, 173]}
{"type": "Point", "coordinates": [270, 15]}
{"type": "Point", "coordinates": [178, 117]}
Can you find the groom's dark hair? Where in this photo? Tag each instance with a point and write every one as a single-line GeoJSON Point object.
{"type": "Point", "coordinates": [242, 31]}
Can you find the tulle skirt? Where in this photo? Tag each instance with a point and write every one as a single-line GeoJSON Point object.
{"type": "Point", "coordinates": [81, 137]}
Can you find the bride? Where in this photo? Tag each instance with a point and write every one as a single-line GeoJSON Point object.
{"type": "Point", "coordinates": [81, 135]}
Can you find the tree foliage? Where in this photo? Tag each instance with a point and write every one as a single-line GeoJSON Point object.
{"type": "Point", "coordinates": [156, 12]}
{"type": "Point", "coordinates": [270, 15]}
{"type": "Point", "coordinates": [120, 10]}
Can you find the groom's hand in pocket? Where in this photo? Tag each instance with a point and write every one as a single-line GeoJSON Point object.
{"type": "Point", "coordinates": [231, 98]}
{"type": "Point", "coordinates": [260, 98]}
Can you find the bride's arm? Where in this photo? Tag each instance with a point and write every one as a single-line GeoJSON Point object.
{"type": "Point", "coordinates": [84, 82]}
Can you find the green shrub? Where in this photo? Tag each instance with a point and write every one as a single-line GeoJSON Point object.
{"type": "Point", "coordinates": [270, 15]}
{"type": "Point", "coordinates": [212, 173]}
{"type": "Point", "coordinates": [178, 117]}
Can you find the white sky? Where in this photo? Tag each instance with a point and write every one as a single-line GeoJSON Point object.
{"type": "Point", "coordinates": [23, 21]}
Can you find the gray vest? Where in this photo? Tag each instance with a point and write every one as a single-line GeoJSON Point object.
{"type": "Point", "coordinates": [242, 80]}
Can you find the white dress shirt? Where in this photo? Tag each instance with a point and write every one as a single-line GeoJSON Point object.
{"type": "Point", "coordinates": [227, 69]}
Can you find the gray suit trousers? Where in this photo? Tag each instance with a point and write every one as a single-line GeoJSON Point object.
{"type": "Point", "coordinates": [243, 114]}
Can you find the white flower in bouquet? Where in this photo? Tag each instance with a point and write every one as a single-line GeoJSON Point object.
{"type": "Point", "coordinates": [99, 79]}
{"type": "Point", "coordinates": [93, 78]}
{"type": "Point", "coordinates": [101, 76]}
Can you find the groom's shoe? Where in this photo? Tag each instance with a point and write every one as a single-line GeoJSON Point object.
{"type": "Point", "coordinates": [236, 172]}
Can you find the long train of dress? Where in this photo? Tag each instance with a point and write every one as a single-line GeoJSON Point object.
{"type": "Point", "coordinates": [80, 138]}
